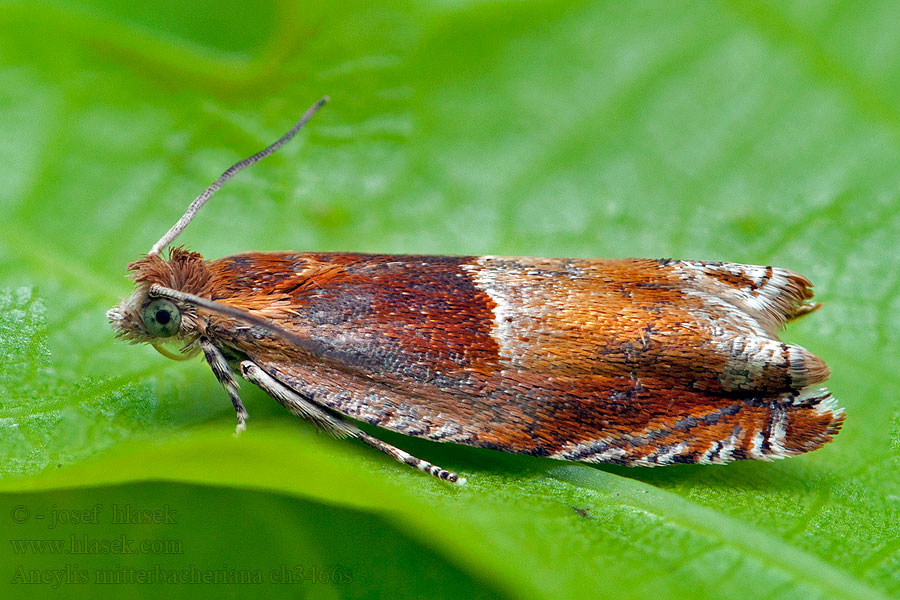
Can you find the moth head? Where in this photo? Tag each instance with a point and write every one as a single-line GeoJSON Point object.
{"type": "Point", "coordinates": [147, 317]}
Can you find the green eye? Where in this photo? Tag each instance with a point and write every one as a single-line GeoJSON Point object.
{"type": "Point", "coordinates": [162, 318]}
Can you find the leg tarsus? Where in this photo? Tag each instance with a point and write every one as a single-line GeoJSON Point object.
{"type": "Point", "coordinates": [409, 459]}
{"type": "Point", "coordinates": [241, 422]}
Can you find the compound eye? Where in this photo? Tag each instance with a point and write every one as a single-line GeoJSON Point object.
{"type": "Point", "coordinates": [162, 318]}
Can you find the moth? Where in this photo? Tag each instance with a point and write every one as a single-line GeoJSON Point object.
{"type": "Point", "coordinates": [628, 361]}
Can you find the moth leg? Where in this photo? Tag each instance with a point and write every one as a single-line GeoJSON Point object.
{"type": "Point", "coordinates": [223, 373]}
{"type": "Point", "coordinates": [304, 408]}
{"type": "Point", "coordinates": [407, 458]}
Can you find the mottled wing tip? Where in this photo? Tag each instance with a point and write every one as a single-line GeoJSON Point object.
{"type": "Point", "coordinates": [789, 294]}
{"type": "Point", "coordinates": [805, 368]}
{"type": "Point", "coordinates": [771, 295]}
{"type": "Point", "coordinates": [751, 429]}
{"type": "Point", "coordinates": [805, 423]}
{"type": "Point", "coordinates": [782, 297]}
{"type": "Point", "coordinates": [820, 399]}
{"type": "Point", "coordinates": [786, 426]}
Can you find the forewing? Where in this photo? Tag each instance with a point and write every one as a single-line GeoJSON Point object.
{"type": "Point", "coordinates": [630, 361]}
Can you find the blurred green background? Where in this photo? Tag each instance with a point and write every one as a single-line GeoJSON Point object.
{"type": "Point", "coordinates": [764, 133]}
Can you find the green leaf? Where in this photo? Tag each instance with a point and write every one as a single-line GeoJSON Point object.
{"type": "Point", "coordinates": [738, 131]}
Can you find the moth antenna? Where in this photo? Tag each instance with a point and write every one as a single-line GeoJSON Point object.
{"type": "Point", "coordinates": [304, 343]}
{"type": "Point", "coordinates": [200, 200]}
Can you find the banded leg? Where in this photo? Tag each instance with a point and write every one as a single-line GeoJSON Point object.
{"type": "Point", "coordinates": [310, 411]}
{"type": "Point", "coordinates": [222, 371]}
{"type": "Point", "coordinates": [407, 458]}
